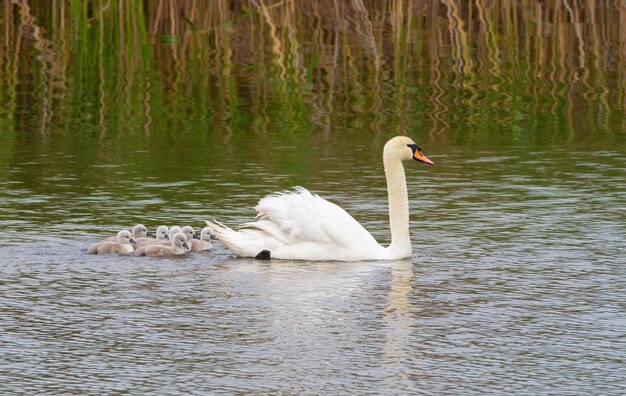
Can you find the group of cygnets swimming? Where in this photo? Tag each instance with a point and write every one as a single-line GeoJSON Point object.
{"type": "Point", "coordinates": [167, 241]}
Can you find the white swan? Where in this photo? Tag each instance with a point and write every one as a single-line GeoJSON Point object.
{"type": "Point", "coordinates": [299, 225]}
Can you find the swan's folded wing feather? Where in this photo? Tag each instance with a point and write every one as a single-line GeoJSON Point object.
{"type": "Point", "coordinates": [269, 227]}
{"type": "Point", "coordinates": [300, 215]}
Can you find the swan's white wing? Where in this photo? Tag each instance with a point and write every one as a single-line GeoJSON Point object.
{"type": "Point", "coordinates": [299, 216]}
{"type": "Point", "coordinates": [302, 226]}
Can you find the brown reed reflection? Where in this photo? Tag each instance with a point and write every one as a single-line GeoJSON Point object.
{"type": "Point", "coordinates": [463, 61]}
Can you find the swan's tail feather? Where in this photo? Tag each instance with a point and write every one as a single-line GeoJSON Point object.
{"type": "Point", "coordinates": [216, 224]}
{"type": "Point", "coordinates": [222, 232]}
{"type": "Point", "coordinates": [237, 241]}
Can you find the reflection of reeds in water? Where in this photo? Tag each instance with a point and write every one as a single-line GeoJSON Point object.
{"type": "Point", "coordinates": [439, 124]}
{"type": "Point", "coordinates": [393, 62]}
{"type": "Point", "coordinates": [9, 52]}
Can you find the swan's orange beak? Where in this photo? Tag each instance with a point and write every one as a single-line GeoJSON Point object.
{"type": "Point", "coordinates": [417, 155]}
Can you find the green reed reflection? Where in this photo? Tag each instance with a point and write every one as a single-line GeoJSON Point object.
{"type": "Point", "coordinates": [114, 67]}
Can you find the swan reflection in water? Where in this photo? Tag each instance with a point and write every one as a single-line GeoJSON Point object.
{"type": "Point", "coordinates": [329, 306]}
{"type": "Point", "coordinates": [398, 351]}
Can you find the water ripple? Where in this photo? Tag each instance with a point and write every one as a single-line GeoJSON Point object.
{"type": "Point", "coordinates": [522, 293]}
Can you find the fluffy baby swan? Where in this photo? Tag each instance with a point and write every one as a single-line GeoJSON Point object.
{"type": "Point", "coordinates": [161, 235]}
{"type": "Point", "coordinates": [204, 243]}
{"type": "Point", "coordinates": [138, 231]}
{"type": "Point", "coordinates": [122, 246]}
{"type": "Point", "coordinates": [179, 246]}
{"type": "Point", "coordinates": [189, 233]}
{"type": "Point", "coordinates": [173, 231]}
{"type": "Point", "coordinates": [141, 250]}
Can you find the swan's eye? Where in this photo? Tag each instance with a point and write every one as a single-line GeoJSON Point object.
{"type": "Point", "coordinates": [414, 147]}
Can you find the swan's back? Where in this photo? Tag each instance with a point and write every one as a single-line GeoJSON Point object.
{"type": "Point", "coordinates": [301, 215]}
{"type": "Point", "coordinates": [297, 224]}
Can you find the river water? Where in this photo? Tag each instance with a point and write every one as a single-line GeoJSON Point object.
{"type": "Point", "coordinates": [517, 281]}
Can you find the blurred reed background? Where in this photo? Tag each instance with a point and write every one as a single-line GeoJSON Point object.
{"type": "Point", "coordinates": [263, 65]}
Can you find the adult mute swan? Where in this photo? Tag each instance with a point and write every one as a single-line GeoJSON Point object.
{"type": "Point", "coordinates": [298, 225]}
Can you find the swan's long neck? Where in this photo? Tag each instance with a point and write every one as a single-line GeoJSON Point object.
{"type": "Point", "coordinates": [398, 207]}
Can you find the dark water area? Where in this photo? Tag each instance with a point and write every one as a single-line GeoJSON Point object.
{"type": "Point", "coordinates": [116, 113]}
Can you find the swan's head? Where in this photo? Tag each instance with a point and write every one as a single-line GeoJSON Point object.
{"type": "Point", "coordinates": [124, 237]}
{"type": "Point", "coordinates": [162, 232]}
{"type": "Point", "coordinates": [140, 231]}
{"type": "Point", "coordinates": [173, 231]}
{"type": "Point", "coordinates": [180, 240]}
{"type": "Point", "coordinates": [189, 232]}
{"type": "Point", "coordinates": [404, 147]}
{"type": "Point", "coordinates": [207, 234]}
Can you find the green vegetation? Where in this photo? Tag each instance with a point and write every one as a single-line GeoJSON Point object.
{"type": "Point", "coordinates": [411, 64]}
